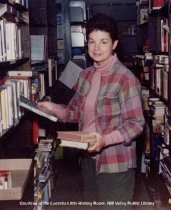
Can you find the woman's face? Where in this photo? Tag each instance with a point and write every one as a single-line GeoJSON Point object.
{"type": "Point", "coordinates": [100, 46]}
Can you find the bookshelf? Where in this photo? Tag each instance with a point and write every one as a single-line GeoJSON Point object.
{"type": "Point", "coordinates": [155, 78]}
{"type": "Point", "coordinates": [43, 22]}
{"type": "Point", "coordinates": [15, 57]}
{"type": "Point", "coordinates": [43, 31]}
{"type": "Point", "coordinates": [78, 18]}
{"type": "Point", "coordinates": [43, 171]}
{"type": "Point", "coordinates": [15, 79]}
{"type": "Point", "coordinates": [63, 26]}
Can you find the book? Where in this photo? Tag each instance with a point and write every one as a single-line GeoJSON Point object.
{"type": "Point", "coordinates": [158, 4]}
{"type": "Point", "coordinates": [51, 71]}
{"type": "Point", "coordinates": [34, 107]}
{"type": "Point", "coordinates": [75, 139]}
{"type": "Point", "coordinates": [20, 73]}
{"type": "Point", "coordinates": [74, 144]}
{"type": "Point", "coordinates": [38, 47]}
{"type": "Point", "coordinates": [70, 75]}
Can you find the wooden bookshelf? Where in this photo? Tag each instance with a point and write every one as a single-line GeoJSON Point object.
{"type": "Point", "coordinates": [15, 140]}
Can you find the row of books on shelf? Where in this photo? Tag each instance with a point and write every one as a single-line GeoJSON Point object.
{"type": "Point", "coordinates": [159, 82]}
{"type": "Point", "coordinates": [152, 4]}
{"type": "Point", "coordinates": [160, 133]}
{"type": "Point", "coordinates": [11, 12]}
{"type": "Point", "coordinates": [21, 89]}
{"type": "Point", "coordinates": [43, 173]}
{"type": "Point", "coordinates": [157, 130]}
{"type": "Point", "coordinates": [24, 3]}
{"type": "Point", "coordinates": [155, 73]}
{"type": "Point", "coordinates": [10, 41]}
{"type": "Point", "coordinates": [159, 114]}
{"type": "Point", "coordinates": [158, 27]}
{"type": "Point", "coordinates": [147, 6]}
{"type": "Point", "coordinates": [10, 92]}
{"type": "Point", "coordinates": [166, 171]}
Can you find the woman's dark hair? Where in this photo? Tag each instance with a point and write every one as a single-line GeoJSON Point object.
{"type": "Point", "coordinates": [102, 22]}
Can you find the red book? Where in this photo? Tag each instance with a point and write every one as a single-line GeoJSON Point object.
{"type": "Point", "coordinates": [157, 4]}
{"type": "Point", "coordinates": [4, 172]}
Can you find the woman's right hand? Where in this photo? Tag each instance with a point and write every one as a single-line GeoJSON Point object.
{"type": "Point", "coordinates": [47, 105]}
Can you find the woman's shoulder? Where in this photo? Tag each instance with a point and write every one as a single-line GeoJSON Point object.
{"type": "Point", "coordinates": [125, 71]}
{"type": "Point", "coordinates": [125, 74]}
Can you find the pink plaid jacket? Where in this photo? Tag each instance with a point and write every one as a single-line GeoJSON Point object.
{"type": "Point", "coordinates": [118, 107]}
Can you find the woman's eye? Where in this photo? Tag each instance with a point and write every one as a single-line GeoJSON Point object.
{"type": "Point", "coordinates": [90, 42]}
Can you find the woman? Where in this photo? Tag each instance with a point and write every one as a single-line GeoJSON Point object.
{"type": "Point", "coordinates": [107, 103]}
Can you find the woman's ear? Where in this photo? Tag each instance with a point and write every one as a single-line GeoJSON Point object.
{"type": "Point", "coordinates": [115, 44]}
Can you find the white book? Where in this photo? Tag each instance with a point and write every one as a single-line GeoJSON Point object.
{"type": "Point", "coordinates": [42, 85]}
{"type": "Point", "coordinates": [73, 144]}
{"type": "Point", "coordinates": [26, 88]}
{"type": "Point", "coordinates": [8, 40]}
{"type": "Point", "coordinates": [38, 47]}
{"type": "Point", "coordinates": [2, 26]}
{"type": "Point", "coordinates": [32, 106]}
{"type": "Point", "coordinates": [10, 105]}
{"type": "Point", "coordinates": [3, 112]}
{"type": "Point", "coordinates": [15, 105]}
{"type": "Point", "coordinates": [19, 43]}
{"type": "Point", "coordinates": [6, 108]}
{"type": "Point", "coordinates": [12, 100]}
{"type": "Point", "coordinates": [1, 52]}
{"type": "Point", "coordinates": [50, 69]}
{"type": "Point", "coordinates": [20, 91]}
{"type": "Point", "coordinates": [13, 30]}
{"type": "Point", "coordinates": [20, 73]}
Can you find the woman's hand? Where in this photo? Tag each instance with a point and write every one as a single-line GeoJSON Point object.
{"type": "Point", "coordinates": [98, 142]}
{"type": "Point", "coordinates": [47, 105]}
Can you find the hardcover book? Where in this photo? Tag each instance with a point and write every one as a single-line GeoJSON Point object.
{"type": "Point", "coordinates": [75, 139]}
{"type": "Point", "coordinates": [74, 144]}
{"type": "Point", "coordinates": [33, 107]}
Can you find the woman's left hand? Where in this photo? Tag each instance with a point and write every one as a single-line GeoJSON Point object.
{"type": "Point", "coordinates": [99, 143]}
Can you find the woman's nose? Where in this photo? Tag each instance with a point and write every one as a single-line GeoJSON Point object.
{"type": "Point", "coordinates": [96, 46]}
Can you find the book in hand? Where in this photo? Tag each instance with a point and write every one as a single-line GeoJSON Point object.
{"type": "Point", "coordinates": [75, 139]}
{"type": "Point", "coordinates": [34, 107]}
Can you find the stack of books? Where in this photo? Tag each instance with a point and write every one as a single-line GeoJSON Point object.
{"type": "Point", "coordinates": [166, 171]}
{"type": "Point", "coordinates": [75, 139]}
{"type": "Point", "coordinates": [43, 179]}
